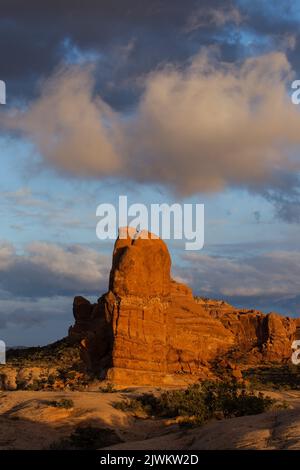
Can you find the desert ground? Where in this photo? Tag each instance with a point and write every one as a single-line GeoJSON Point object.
{"type": "Point", "coordinates": [27, 421]}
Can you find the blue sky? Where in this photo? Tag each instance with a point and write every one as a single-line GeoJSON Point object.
{"type": "Point", "coordinates": [151, 126]}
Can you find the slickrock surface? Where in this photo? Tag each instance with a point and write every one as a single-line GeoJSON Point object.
{"type": "Point", "coordinates": [27, 421]}
{"type": "Point", "coordinates": [274, 430]}
{"type": "Point", "coordinates": [149, 330]}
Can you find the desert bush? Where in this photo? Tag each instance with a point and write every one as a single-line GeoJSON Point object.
{"type": "Point", "coordinates": [63, 403]}
{"type": "Point", "coordinates": [87, 438]}
{"type": "Point", "coordinates": [34, 386]}
{"type": "Point", "coordinates": [200, 402]}
{"type": "Point", "coordinates": [51, 379]}
{"type": "Point", "coordinates": [131, 405]}
{"type": "Point", "coordinates": [21, 384]}
{"type": "Point", "coordinates": [108, 388]}
{"type": "Point", "coordinates": [60, 352]}
{"type": "Point", "coordinates": [275, 377]}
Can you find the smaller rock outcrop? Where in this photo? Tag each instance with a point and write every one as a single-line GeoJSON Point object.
{"type": "Point", "coordinates": [259, 337]}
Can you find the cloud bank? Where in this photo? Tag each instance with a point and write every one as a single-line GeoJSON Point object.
{"type": "Point", "coordinates": [203, 127]}
{"type": "Point", "coordinates": [47, 269]}
{"type": "Point", "coordinates": [267, 280]}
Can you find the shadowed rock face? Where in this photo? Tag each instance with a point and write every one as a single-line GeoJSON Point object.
{"type": "Point", "coordinates": [148, 329]}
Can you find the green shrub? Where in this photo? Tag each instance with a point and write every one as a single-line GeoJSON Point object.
{"type": "Point", "coordinates": [275, 377]}
{"type": "Point", "coordinates": [35, 386]}
{"type": "Point", "coordinates": [201, 402]}
{"type": "Point", "coordinates": [51, 379]}
{"type": "Point", "coordinates": [21, 384]}
{"type": "Point", "coordinates": [87, 438]}
{"type": "Point", "coordinates": [134, 406]}
{"type": "Point", "coordinates": [108, 388]}
{"type": "Point", "coordinates": [63, 403]}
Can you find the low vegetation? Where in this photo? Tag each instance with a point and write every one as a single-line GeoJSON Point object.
{"type": "Point", "coordinates": [200, 402]}
{"type": "Point", "coordinates": [275, 377]}
{"type": "Point", "coordinates": [87, 438]}
{"type": "Point", "coordinates": [59, 363]}
{"type": "Point", "coordinates": [58, 353]}
{"type": "Point", "coordinates": [108, 388]}
{"type": "Point", "coordinates": [63, 403]}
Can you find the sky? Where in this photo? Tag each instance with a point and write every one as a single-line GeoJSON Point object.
{"type": "Point", "coordinates": [162, 101]}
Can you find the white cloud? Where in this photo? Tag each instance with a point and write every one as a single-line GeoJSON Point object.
{"type": "Point", "coordinates": [83, 264]}
{"type": "Point", "coordinates": [69, 126]}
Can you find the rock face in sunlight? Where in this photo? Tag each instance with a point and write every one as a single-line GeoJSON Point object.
{"type": "Point", "coordinates": [259, 337]}
{"type": "Point", "coordinates": [149, 330]}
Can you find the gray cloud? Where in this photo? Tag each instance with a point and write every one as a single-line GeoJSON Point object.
{"type": "Point", "coordinates": [133, 37]}
{"type": "Point", "coordinates": [206, 16]}
{"type": "Point", "coordinates": [46, 269]}
{"type": "Point", "coordinates": [286, 203]}
{"type": "Point", "coordinates": [267, 280]}
{"type": "Point", "coordinates": [28, 321]}
{"type": "Point", "coordinates": [35, 37]}
{"type": "Point", "coordinates": [30, 314]}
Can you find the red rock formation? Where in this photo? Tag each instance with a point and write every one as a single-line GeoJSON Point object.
{"type": "Point", "coordinates": [148, 329]}
{"type": "Point", "coordinates": [259, 337]}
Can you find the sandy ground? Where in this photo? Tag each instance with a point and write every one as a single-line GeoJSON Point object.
{"type": "Point", "coordinates": [28, 422]}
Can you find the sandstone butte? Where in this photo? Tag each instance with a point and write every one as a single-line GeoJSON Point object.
{"type": "Point", "coordinates": [148, 329]}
